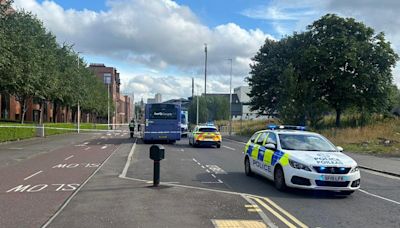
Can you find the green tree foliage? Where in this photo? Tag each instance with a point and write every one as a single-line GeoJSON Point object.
{"type": "Point", "coordinates": [210, 109]}
{"type": "Point", "coordinates": [336, 64]}
{"type": "Point", "coordinates": [33, 66]}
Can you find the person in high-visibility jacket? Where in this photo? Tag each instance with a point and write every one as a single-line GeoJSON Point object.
{"type": "Point", "coordinates": [132, 127]}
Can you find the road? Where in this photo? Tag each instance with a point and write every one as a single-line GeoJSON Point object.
{"type": "Point", "coordinates": [201, 187]}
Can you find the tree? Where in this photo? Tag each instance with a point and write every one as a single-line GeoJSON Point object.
{"type": "Point", "coordinates": [336, 64]}
{"type": "Point", "coordinates": [355, 64]}
{"type": "Point", "coordinates": [210, 109]}
{"type": "Point", "coordinates": [25, 75]}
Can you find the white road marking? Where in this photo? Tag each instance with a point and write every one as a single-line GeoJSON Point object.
{"type": "Point", "coordinates": [76, 192]}
{"type": "Point", "coordinates": [211, 182]}
{"type": "Point", "coordinates": [69, 157]}
{"type": "Point", "coordinates": [85, 143]}
{"type": "Point", "coordinates": [128, 160]}
{"type": "Point", "coordinates": [26, 178]}
{"type": "Point", "coordinates": [380, 197]}
{"type": "Point", "coordinates": [203, 167]}
{"type": "Point", "coordinates": [87, 148]}
{"type": "Point", "coordinates": [213, 176]}
{"type": "Point", "coordinates": [235, 141]}
{"type": "Point", "coordinates": [15, 148]}
{"type": "Point", "coordinates": [216, 169]}
{"type": "Point", "coordinates": [208, 171]}
{"type": "Point", "coordinates": [194, 160]}
{"type": "Point", "coordinates": [104, 147]}
{"type": "Point", "coordinates": [198, 163]}
{"type": "Point", "coordinates": [220, 181]}
{"type": "Point", "coordinates": [182, 150]}
{"type": "Point", "coordinates": [229, 148]}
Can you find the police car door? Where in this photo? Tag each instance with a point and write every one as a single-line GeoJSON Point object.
{"type": "Point", "coordinates": [258, 153]}
{"type": "Point", "coordinates": [268, 154]}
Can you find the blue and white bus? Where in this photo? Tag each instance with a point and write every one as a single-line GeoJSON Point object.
{"type": "Point", "coordinates": [162, 122]}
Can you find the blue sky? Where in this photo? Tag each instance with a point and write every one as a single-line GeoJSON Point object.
{"type": "Point", "coordinates": [210, 12]}
{"type": "Point", "coordinates": [157, 45]}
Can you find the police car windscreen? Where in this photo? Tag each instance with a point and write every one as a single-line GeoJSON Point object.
{"type": "Point", "coordinates": [304, 143]}
{"type": "Point", "coordinates": [163, 112]}
{"type": "Point", "coordinates": [208, 129]}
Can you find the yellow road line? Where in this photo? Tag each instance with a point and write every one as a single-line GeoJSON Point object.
{"type": "Point", "coordinates": [254, 210]}
{"type": "Point", "coordinates": [286, 213]}
{"type": "Point", "coordinates": [249, 205]}
{"type": "Point", "coordinates": [276, 214]}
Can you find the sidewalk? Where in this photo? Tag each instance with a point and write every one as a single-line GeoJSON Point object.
{"type": "Point", "coordinates": [388, 165]}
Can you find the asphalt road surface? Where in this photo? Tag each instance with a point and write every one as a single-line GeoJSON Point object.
{"type": "Point", "coordinates": [110, 184]}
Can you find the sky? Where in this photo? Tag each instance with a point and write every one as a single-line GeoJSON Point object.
{"type": "Point", "coordinates": [158, 45]}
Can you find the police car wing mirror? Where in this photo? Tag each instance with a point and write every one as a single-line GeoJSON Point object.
{"type": "Point", "coordinates": [340, 149]}
{"type": "Point", "coordinates": [252, 140]}
{"type": "Point", "coordinates": [270, 146]}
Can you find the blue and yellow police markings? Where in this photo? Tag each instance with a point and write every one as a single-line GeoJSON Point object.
{"type": "Point", "coordinates": [264, 158]}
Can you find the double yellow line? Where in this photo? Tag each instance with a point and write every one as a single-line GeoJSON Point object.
{"type": "Point", "coordinates": [274, 209]}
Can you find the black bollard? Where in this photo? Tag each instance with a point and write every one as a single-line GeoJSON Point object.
{"type": "Point", "coordinates": [157, 153]}
{"type": "Point", "coordinates": [156, 176]}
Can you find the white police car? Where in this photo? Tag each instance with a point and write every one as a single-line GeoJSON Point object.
{"type": "Point", "coordinates": [293, 157]}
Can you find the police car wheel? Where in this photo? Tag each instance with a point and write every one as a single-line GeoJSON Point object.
{"type": "Point", "coordinates": [279, 179]}
{"type": "Point", "coordinates": [247, 168]}
{"type": "Point", "coordinates": [218, 145]}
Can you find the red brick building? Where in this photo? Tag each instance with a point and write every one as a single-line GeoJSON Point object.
{"type": "Point", "coordinates": [123, 104]}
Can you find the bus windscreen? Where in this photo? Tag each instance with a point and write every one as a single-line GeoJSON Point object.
{"type": "Point", "coordinates": [163, 112]}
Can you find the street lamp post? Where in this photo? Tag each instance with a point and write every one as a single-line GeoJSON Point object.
{"type": "Point", "coordinates": [197, 110]}
{"type": "Point", "coordinates": [205, 70]}
{"type": "Point", "coordinates": [230, 99]}
{"type": "Point", "coordinates": [107, 80]}
{"type": "Point", "coordinates": [79, 107]}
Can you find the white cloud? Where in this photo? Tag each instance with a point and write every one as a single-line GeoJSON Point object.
{"type": "Point", "coordinates": [157, 34]}
{"type": "Point", "coordinates": [287, 16]}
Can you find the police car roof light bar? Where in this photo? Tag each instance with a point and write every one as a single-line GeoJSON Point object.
{"type": "Point", "coordinates": [288, 127]}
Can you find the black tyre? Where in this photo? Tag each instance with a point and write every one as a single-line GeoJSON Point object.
{"type": "Point", "coordinates": [247, 167]}
{"type": "Point", "coordinates": [218, 145]}
{"type": "Point", "coordinates": [190, 143]}
{"type": "Point", "coordinates": [279, 179]}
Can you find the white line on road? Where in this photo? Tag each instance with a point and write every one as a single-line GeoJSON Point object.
{"type": "Point", "coordinates": [87, 148]}
{"type": "Point", "coordinates": [69, 157]}
{"type": "Point", "coordinates": [380, 197]}
{"type": "Point", "coordinates": [194, 160]}
{"type": "Point", "coordinates": [128, 160]}
{"type": "Point", "coordinates": [229, 148]}
{"type": "Point", "coordinates": [213, 176]}
{"type": "Point", "coordinates": [208, 171]}
{"type": "Point", "coordinates": [235, 141]}
{"type": "Point", "coordinates": [26, 178]}
{"type": "Point", "coordinates": [76, 191]}
{"type": "Point", "coordinates": [15, 148]}
{"type": "Point", "coordinates": [203, 167]}
{"type": "Point", "coordinates": [211, 182]}
{"type": "Point", "coordinates": [85, 143]}
{"type": "Point", "coordinates": [220, 181]}
{"type": "Point", "coordinates": [182, 150]}
{"type": "Point", "coordinates": [104, 147]}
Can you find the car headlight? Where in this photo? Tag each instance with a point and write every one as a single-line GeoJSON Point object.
{"type": "Point", "coordinates": [298, 165]}
{"type": "Point", "coordinates": [355, 169]}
